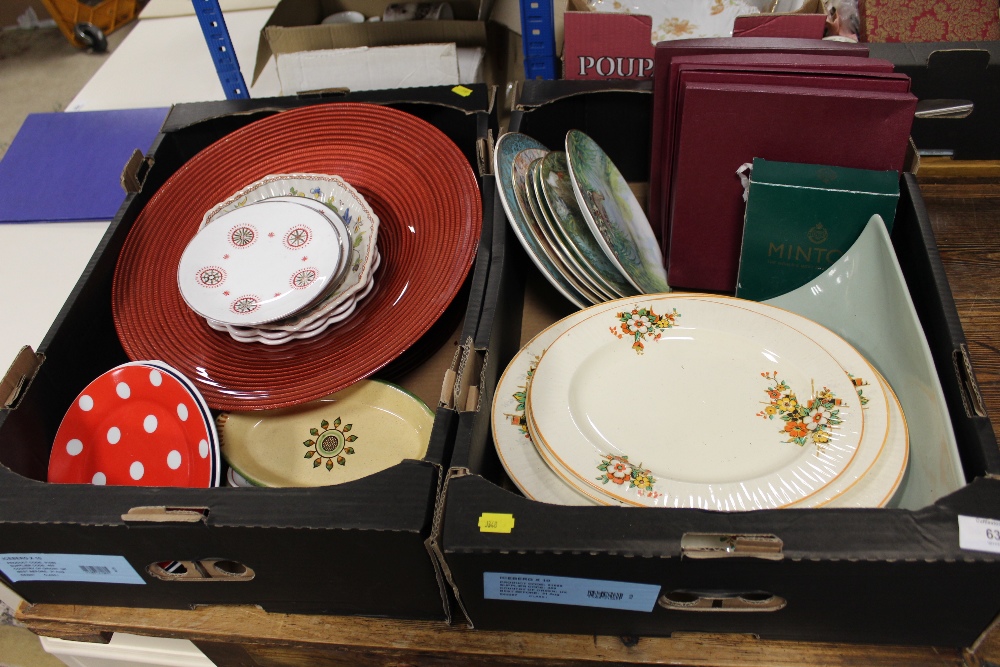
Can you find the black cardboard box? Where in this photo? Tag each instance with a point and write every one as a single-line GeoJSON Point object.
{"type": "Point", "coordinates": [958, 88]}
{"type": "Point", "coordinates": [357, 548]}
{"type": "Point", "coordinates": [885, 576]}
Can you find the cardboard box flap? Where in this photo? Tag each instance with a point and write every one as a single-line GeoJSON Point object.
{"type": "Point", "coordinates": [285, 38]}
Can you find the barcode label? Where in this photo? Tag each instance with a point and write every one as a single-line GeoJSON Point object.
{"type": "Point", "coordinates": [570, 590]}
{"type": "Point", "coordinates": [606, 595]}
{"type": "Point", "coordinates": [91, 568]}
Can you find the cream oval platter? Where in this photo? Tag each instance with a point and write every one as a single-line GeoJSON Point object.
{"type": "Point", "coordinates": [356, 432]}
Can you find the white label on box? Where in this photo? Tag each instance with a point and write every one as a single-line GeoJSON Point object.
{"type": "Point", "coordinates": [570, 590]}
{"type": "Point", "coordinates": [975, 534]}
{"type": "Point", "coordinates": [69, 567]}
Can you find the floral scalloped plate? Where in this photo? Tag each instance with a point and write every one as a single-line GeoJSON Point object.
{"type": "Point", "coordinates": [356, 432]}
{"type": "Point", "coordinates": [667, 401]}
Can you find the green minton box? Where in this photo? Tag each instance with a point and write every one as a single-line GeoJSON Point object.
{"type": "Point", "coordinates": [801, 218]}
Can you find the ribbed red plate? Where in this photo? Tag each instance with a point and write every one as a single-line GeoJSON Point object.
{"type": "Point", "coordinates": [430, 216]}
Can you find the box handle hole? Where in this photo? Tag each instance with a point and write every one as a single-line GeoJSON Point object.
{"type": "Point", "coordinates": [748, 601]}
{"type": "Point", "coordinates": [209, 569]}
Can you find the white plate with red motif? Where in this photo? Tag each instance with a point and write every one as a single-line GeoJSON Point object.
{"type": "Point", "coordinates": [259, 263]}
{"type": "Point", "coordinates": [136, 425]}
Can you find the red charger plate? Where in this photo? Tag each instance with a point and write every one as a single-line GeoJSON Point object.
{"type": "Point", "coordinates": [430, 217]}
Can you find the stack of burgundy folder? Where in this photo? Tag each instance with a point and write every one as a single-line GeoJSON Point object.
{"type": "Point", "coordinates": [719, 103]}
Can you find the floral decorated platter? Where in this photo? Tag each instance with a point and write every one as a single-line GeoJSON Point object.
{"type": "Point", "coordinates": [682, 19]}
{"type": "Point", "coordinates": [557, 191]}
{"type": "Point", "coordinates": [863, 297]}
{"type": "Point", "coordinates": [869, 481]}
{"type": "Point", "coordinates": [335, 194]}
{"type": "Point", "coordinates": [356, 432]}
{"type": "Point", "coordinates": [614, 215]}
{"type": "Point", "coordinates": [695, 429]}
{"type": "Point", "coordinates": [873, 399]}
{"type": "Point", "coordinates": [563, 255]}
{"type": "Point", "coordinates": [511, 155]}
{"type": "Point", "coordinates": [881, 485]}
{"type": "Point", "coordinates": [139, 424]}
{"type": "Point", "coordinates": [520, 458]}
{"type": "Point", "coordinates": [259, 263]}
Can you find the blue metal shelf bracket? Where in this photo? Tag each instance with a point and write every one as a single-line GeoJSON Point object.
{"type": "Point", "coordinates": [538, 39]}
{"type": "Point", "coordinates": [220, 47]}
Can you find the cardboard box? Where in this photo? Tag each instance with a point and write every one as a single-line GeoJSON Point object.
{"type": "Point", "coordinates": [607, 46]}
{"type": "Point", "coordinates": [958, 84]}
{"type": "Point", "coordinates": [314, 56]}
{"type": "Point", "coordinates": [889, 576]}
{"type": "Point", "coordinates": [357, 548]}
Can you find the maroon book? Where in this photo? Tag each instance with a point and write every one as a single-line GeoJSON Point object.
{"type": "Point", "coordinates": [666, 51]}
{"type": "Point", "coordinates": [831, 68]}
{"type": "Point", "coordinates": [727, 125]}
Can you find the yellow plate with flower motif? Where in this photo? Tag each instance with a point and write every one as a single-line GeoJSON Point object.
{"type": "Point", "coordinates": [356, 432]}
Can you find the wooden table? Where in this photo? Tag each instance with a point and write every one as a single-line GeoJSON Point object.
{"type": "Point", "coordinates": [964, 206]}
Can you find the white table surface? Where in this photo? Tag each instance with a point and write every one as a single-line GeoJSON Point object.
{"type": "Point", "coordinates": [162, 61]}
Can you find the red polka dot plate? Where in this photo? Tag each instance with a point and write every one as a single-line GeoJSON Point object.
{"type": "Point", "coordinates": [136, 425]}
{"type": "Point", "coordinates": [416, 180]}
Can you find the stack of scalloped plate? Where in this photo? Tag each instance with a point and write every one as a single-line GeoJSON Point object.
{"type": "Point", "coordinates": [283, 259]}
{"type": "Point", "coordinates": [697, 401]}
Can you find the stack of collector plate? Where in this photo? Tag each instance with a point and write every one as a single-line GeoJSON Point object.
{"type": "Point", "coordinates": [698, 401]}
{"type": "Point", "coordinates": [283, 259]}
{"type": "Point", "coordinates": [577, 219]}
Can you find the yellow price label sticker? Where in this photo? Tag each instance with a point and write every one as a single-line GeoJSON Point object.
{"type": "Point", "coordinates": [462, 90]}
{"type": "Point", "coordinates": [496, 523]}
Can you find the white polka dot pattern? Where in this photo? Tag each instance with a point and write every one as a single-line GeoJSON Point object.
{"type": "Point", "coordinates": [139, 423]}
